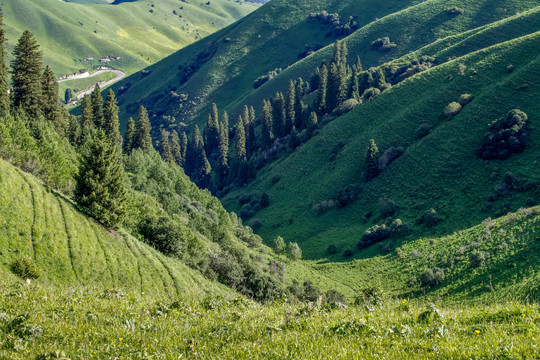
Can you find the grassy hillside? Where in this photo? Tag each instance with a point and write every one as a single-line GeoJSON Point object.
{"type": "Point", "coordinates": [438, 171]}
{"type": "Point", "coordinates": [72, 249]}
{"type": "Point", "coordinates": [139, 32]}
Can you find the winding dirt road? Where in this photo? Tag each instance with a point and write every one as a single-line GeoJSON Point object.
{"type": "Point", "coordinates": [119, 76]}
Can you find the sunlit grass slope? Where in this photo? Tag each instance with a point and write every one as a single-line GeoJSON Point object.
{"type": "Point", "coordinates": [72, 249]}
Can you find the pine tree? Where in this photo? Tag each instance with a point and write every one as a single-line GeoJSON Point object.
{"type": "Point", "coordinates": [176, 152]}
{"type": "Point", "coordinates": [240, 136]}
{"type": "Point", "coordinates": [165, 146]}
{"type": "Point", "coordinates": [211, 131]}
{"type": "Point", "coordinates": [354, 92]}
{"type": "Point", "coordinates": [291, 108]}
{"type": "Point", "coordinates": [143, 139]}
{"type": "Point", "coordinates": [97, 107]}
{"type": "Point", "coordinates": [74, 131]}
{"type": "Point", "coordinates": [293, 251]}
{"type": "Point", "coordinates": [365, 81]}
{"type": "Point", "coordinates": [379, 80]}
{"type": "Point", "coordinates": [130, 137]}
{"type": "Point", "coordinates": [26, 71]}
{"type": "Point", "coordinates": [278, 115]}
{"type": "Point", "coordinates": [251, 140]}
{"type": "Point", "coordinates": [4, 81]}
{"type": "Point", "coordinates": [86, 119]}
{"type": "Point", "coordinates": [312, 123]}
{"type": "Point", "coordinates": [223, 159]}
{"type": "Point", "coordinates": [357, 67]}
{"type": "Point", "coordinates": [344, 54]}
{"type": "Point", "coordinates": [183, 149]}
{"type": "Point", "coordinates": [202, 168]}
{"type": "Point", "coordinates": [111, 122]}
{"type": "Point", "coordinates": [49, 101]}
{"type": "Point", "coordinates": [323, 88]}
{"type": "Point", "coordinates": [100, 181]}
{"type": "Point", "coordinates": [68, 95]}
{"type": "Point", "coordinates": [372, 157]}
{"type": "Point", "coordinates": [298, 106]}
{"type": "Point", "coordinates": [336, 59]}
{"type": "Point", "coordinates": [267, 124]}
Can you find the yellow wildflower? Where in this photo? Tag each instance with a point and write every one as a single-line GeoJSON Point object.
{"type": "Point", "coordinates": [120, 339]}
{"type": "Point", "coordinates": [477, 331]}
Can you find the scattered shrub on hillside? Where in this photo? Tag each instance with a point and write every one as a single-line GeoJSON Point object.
{"type": "Point", "coordinates": [265, 200]}
{"type": "Point", "coordinates": [454, 10]}
{"type": "Point", "coordinates": [477, 258]}
{"type": "Point", "coordinates": [25, 268]}
{"type": "Point", "coordinates": [275, 179]}
{"type": "Point", "coordinates": [348, 253]}
{"type": "Point", "coordinates": [383, 44]}
{"type": "Point", "coordinates": [422, 131]}
{"type": "Point", "coordinates": [187, 70]}
{"type": "Point", "coordinates": [510, 68]}
{"type": "Point", "coordinates": [261, 80]}
{"type": "Point", "coordinates": [244, 199]}
{"type": "Point", "coordinates": [255, 224]}
{"type": "Point", "coordinates": [399, 253]}
{"type": "Point", "coordinates": [227, 268]}
{"type": "Point", "coordinates": [348, 195]}
{"type": "Point", "coordinates": [429, 218]}
{"type": "Point", "coordinates": [370, 93]}
{"type": "Point", "coordinates": [279, 245]}
{"type": "Point", "coordinates": [337, 26]}
{"type": "Point", "coordinates": [388, 207]}
{"type": "Point", "coordinates": [452, 109]}
{"type": "Point", "coordinates": [335, 150]}
{"type": "Point", "coordinates": [163, 233]}
{"type": "Point", "coordinates": [464, 99]}
{"type": "Point", "coordinates": [506, 136]}
{"type": "Point", "coordinates": [397, 72]}
{"type": "Point", "coordinates": [432, 277]}
{"type": "Point", "coordinates": [309, 49]}
{"type": "Point", "coordinates": [323, 206]}
{"type": "Point", "coordinates": [371, 295]}
{"type": "Point", "coordinates": [388, 156]}
{"type": "Point", "coordinates": [311, 292]}
{"type": "Point", "coordinates": [345, 107]}
{"type": "Point", "coordinates": [332, 249]}
{"type": "Point", "coordinates": [334, 297]}
{"type": "Point", "coordinates": [247, 211]}
{"type": "Point", "coordinates": [382, 232]}
{"type": "Point", "coordinates": [293, 251]}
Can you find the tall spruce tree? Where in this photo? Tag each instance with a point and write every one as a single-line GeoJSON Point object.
{"type": "Point", "coordinates": [344, 53]}
{"type": "Point", "coordinates": [211, 131]}
{"type": "Point", "coordinates": [267, 124]}
{"type": "Point", "coordinates": [278, 115]}
{"type": "Point", "coordinates": [291, 107]}
{"type": "Point", "coordinates": [111, 122]}
{"type": "Point", "coordinates": [4, 81]}
{"type": "Point", "coordinates": [97, 107]}
{"type": "Point", "coordinates": [143, 139]}
{"type": "Point", "coordinates": [26, 70]}
{"type": "Point", "coordinates": [372, 157]}
{"type": "Point", "coordinates": [202, 168]}
{"type": "Point", "coordinates": [298, 106]}
{"type": "Point", "coordinates": [176, 152]}
{"type": "Point", "coordinates": [73, 130]}
{"type": "Point", "coordinates": [165, 146]}
{"type": "Point", "coordinates": [184, 149]}
{"type": "Point", "coordinates": [323, 88]}
{"type": "Point", "coordinates": [240, 136]}
{"type": "Point", "coordinates": [100, 181]}
{"type": "Point", "coordinates": [223, 159]}
{"type": "Point", "coordinates": [336, 58]}
{"type": "Point", "coordinates": [357, 67]}
{"type": "Point", "coordinates": [50, 107]}
{"type": "Point", "coordinates": [86, 118]}
{"type": "Point", "coordinates": [251, 140]}
{"type": "Point", "coordinates": [130, 137]}
{"type": "Point", "coordinates": [312, 123]}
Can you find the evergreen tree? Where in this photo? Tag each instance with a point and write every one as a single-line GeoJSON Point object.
{"type": "Point", "coordinates": [223, 159]}
{"type": "Point", "coordinates": [184, 149]}
{"type": "Point", "coordinates": [26, 69]}
{"type": "Point", "coordinates": [372, 157]}
{"type": "Point", "coordinates": [4, 81]}
{"type": "Point", "coordinates": [293, 251]}
{"type": "Point", "coordinates": [211, 131]}
{"type": "Point", "coordinates": [68, 95]}
{"type": "Point", "coordinates": [202, 167]}
{"type": "Point", "coordinates": [251, 140]}
{"type": "Point", "coordinates": [49, 101]}
{"type": "Point", "coordinates": [278, 115]}
{"type": "Point", "coordinates": [354, 92]}
{"type": "Point", "coordinates": [175, 149]}
{"type": "Point", "coordinates": [111, 122]}
{"type": "Point", "coordinates": [74, 130]}
{"type": "Point", "coordinates": [323, 87]}
{"type": "Point", "coordinates": [291, 108]}
{"type": "Point", "coordinates": [379, 80]}
{"type": "Point", "coordinates": [298, 106]}
{"type": "Point", "coordinates": [143, 139]}
{"type": "Point", "coordinates": [130, 137]}
{"type": "Point", "coordinates": [365, 81]}
{"type": "Point", "coordinates": [279, 245]}
{"type": "Point", "coordinates": [312, 123]}
{"type": "Point", "coordinates": [86, 119]}
{"type": "Point", "coordinates": [165, 146]}
{"type": "Point", "coordinates": [293, 139]}
{"type": "Point", "coordinates": [357, 67]}
{"type": "Point", "coordinates": [100, 181]}
{"type": "Point", "coordinates": [267, 124]}
{"type": "Point", "coordinates": [240, 136]}
{"type": "Point", "coordinates": [336, 58]}
{"type": "Point", "coordinates": [344, 53]}
{"type": "Point", "coordinates": [97, 107]}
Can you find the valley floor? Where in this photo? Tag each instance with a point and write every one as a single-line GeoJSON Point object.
{"type": "Point", "coordinates": [42, 322]}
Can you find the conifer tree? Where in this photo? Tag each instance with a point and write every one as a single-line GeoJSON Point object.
{"type": "Point", "coordinates": [86, 119]}
{"type": "Point", "coordinates": [143, 139]}
{"type": "Point", "coordinates": [165, 146]}
{"type": "Point", "coordinates": [267, 124]}
{"type": "Point", "coordinates": [372, 156]}
{"type": "Point", "coordinates": [312, 123]}
{"type": "Point", "coordinates": [74, 130]}
{"type": "Point", "coordinates": [240, 136]}
{"type": "Point", "coordinates": [365, 81]}
{"type": "Point", "coordinates": [251, 141]}
{"type": "Point", "coordinates": [357, 67]}
{"type": "Point", "coordinates": [130, 137]}
{"type": "Point", "coordinates": [176, 151]}
{"type": "Point", "coordinates": [26, 69]}
{"type": "Point", "coordinates": [379, 80]}
{"type": "Point", "coordinates": [4, 81]}
{"type": "Point", "coordinates": [291, 107]}
{"type": "Point", "coordinates": [223, 159]}
{"type": "Point", "coordinates": [211, 131]}
{"type": "Point", "coordinates": [49, 101]}
{"type": "Point", "coordinates": [202, 168]}
{"type": "Point", "coordinates": [97, 107]}
{"type": "Point", "coordinates": [336, 58]}
{"type": "Point", "coordinates": [298, 106]}
{"type": "Point", "coordinates": [279, 245]}
{"type": "Point", "coordinates": [293, 139]}
{"type": "Point", "coordinates": [100, 182]}
{"type": "Point", "coordinates": [354, 92]}
{"type": "Point", "coordinates": [184, 149]}
{"type": "Point", "coordinates": [344, 53]}
{"type": "Point", "coordinates": [323, 87]}
{"type": "Point", "coordinates": [111, 122]}
{"type": "Point", "coordinates": [278, 115]}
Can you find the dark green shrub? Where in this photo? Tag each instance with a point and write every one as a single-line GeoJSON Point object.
{"type": "Point", "coordinates": [244, 199]}
{"type": "Point", "coordinates": [432, 277]}
{"type": "Point", "coordinates": [370, 93]}
{"type": "Point", "coordinates": [454, 10]}
{"type": "Point", "coordinates": [255, 224]}
{"type": "Point", "coordinates": [371, 295]}
{"type": "Point", "coordinates": [311, 291]}
{"type": "Point", "coordinates": [348, 253]}
{"type": "Point", "coordinates": [477, 258]}
{"type": "Point", "coordinates": [464, 99]}
{"type": "Point", "coordinates": [383, 44]}
{"type": "Point", "coordinates": [348, 195]}
{"type": "Point", "coordinates": [25, 268]}
{"type": "Point", "coordinates": [429, 218]}
{"type": "Point", "coordinates": [323, 206]}
{"type": "Point", "coordinates": [506, 136]}
{"type": "Point", "coordinates": [163, 233]}
{"type": "Point", "coordinates": [388, 207]}
{"type": "Point", "coordinates": [332, 249]}
{"type": "Point", "coordinates": [229, 271]}
{"type": "Point", "coordinates": [334, 297]}
{"type": "Point", "coordinates": [422, 131]}
{"type": "Point", "coordinates": [265, 200]}
{"type": "Point", "coordinates": [246, 211]}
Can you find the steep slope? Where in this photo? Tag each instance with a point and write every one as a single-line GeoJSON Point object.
{"type": "Point", "coordinates": [139, 32]}
{"type": "Point", "coordinates": [437, 171]}
{"type": "Point", "coordinates": [72, 249]}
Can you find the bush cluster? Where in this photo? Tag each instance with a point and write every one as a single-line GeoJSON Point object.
{"type": "Point", "coordinates": [338, 27]}
{"type": "Point", "coordinates": [261, 80]}
{"type": "Point", "coordinates": [382, 232]}
{"type": "Point", "coordinates": [506, 136]}
{"type": "Point", "coordinates": [25, 268]}
{"type": "Point", "coordinates": [432, 277]}
{"type": "Point", "coordinates": [383, 44]}
{"type": "Point", "coordinates": [429, 218]}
